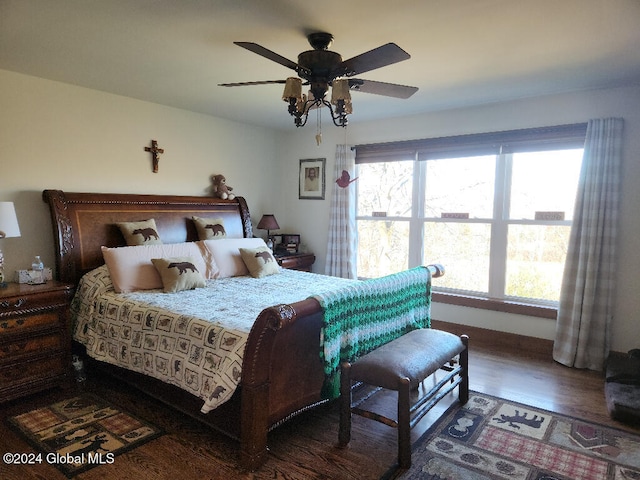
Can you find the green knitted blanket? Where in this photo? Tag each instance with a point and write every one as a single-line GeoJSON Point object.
{"type": "Point", "coordinates": [363, 316]}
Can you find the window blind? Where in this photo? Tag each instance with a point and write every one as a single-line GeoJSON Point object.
{"type": "Point", "coordinates": [524, 140]}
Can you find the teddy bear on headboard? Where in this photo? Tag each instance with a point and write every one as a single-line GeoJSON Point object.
{"type": "Point", "coordinates": [220, 188]}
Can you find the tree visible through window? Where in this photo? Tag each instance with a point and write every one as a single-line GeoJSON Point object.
{"type": "Point", "coordinates": [499, 223]}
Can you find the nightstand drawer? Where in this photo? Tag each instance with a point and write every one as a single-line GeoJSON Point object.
{"type": "Point", "coordinates": [25, 301]}
{"type": "Point", "coordinates": [32, 371]}
{"type": "Point", "coordinates": [35, 338]}
{"type": "Point", "coordinates": [26, 346]}
{"type": "Point", "coordinates": [32, 322]}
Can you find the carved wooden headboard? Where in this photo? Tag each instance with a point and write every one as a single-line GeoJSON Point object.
{"type": "Point", "coordinates": [83, 222]}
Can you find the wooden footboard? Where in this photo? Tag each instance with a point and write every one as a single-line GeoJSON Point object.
{"type": "Point", "coordinates": [282, 374]}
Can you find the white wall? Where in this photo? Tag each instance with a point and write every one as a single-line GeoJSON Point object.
{"type": "Point", "coordinates": [311, 216]}
{"type": "Point", "coordinates": [55, 135]}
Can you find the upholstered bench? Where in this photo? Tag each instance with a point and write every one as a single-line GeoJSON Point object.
{"type": "Point", "coordinates": [401, 365]}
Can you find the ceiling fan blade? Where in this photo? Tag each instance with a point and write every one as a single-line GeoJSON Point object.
{"type": "Point", "coordinates": [381, 88]}
{"type": "Point", "coordinates": [376, 58]}
{"type": "Point", "coordinates": [243, 84]}
{"type": "Point", "coordinates": [265, 52]}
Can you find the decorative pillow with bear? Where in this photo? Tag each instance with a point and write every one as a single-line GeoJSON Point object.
{"type": "Point", "coordinates": [209, 228]}
{"type": "Point", "coordinates": [259, 261]}
{"type": "Point", "coordinates": [130, 268]}
{"type": "Point", "coordinates": [144, 232]}
{"type": "Point", "coordinates": [178, 273]}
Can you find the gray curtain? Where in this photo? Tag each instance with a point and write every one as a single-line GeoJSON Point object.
{"type": "Point", "coordinates": [341, 246]}
{"type": "Point", "coordinates": [588, 286]}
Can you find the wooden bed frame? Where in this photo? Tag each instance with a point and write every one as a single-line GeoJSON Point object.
{"type": "Point", "coordinates": [282, 374]}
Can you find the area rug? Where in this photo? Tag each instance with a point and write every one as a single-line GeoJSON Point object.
{"type": "Point", "coordinates": [492, 438]}
{"type": "Point", "coordinates": [81, 433]}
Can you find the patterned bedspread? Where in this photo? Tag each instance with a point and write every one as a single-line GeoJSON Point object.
{"type": "Point", "coordinates": [194, 339]}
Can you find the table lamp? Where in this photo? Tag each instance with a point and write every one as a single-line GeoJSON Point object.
{"type": "Point", "coordinates": [268, 222]}
{"type": "Point", "coordinates": [8, 228]}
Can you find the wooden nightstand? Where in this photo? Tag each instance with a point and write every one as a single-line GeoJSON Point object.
{"type": "Point", "coordinates": [296, 261]}
{"type": "Point", "coordinates": [35, 338]}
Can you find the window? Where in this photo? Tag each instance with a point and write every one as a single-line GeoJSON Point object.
{"type": "Point", "coordinates": [384, 189]}
{"type": "Point", "coordinates": [498, 220]}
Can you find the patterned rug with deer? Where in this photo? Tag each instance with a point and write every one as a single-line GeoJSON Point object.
{"type": "Point", "coordinates": [492, 438]}
{"type": "Point", "coordinates": [81, 433]}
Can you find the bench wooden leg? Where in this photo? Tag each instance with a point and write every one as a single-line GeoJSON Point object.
{"type": "Point", "coordinates": [404, 427]}
{"type": "Point", "coordinates": [463, 387]}
{"type": "Point", "coordinates": [344, 432]}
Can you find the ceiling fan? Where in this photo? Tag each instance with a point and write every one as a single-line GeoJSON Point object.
{"type": "Point", "coordinates": [321, 68]}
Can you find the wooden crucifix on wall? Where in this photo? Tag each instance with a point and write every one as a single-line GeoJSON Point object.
{"type": "Point", "coordinates": [155, 152]}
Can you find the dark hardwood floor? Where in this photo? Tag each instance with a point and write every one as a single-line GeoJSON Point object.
{"type": "Point", "coordinates": [504, 365]}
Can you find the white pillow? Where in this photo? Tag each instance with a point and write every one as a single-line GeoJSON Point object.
{"type": "Point", "coordinates": [226, 254]}
{"type": "Point", "coordinates": [131, 269]}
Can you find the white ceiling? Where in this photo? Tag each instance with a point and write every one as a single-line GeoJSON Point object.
{"type": "Point", "coordinates": [463, 52]}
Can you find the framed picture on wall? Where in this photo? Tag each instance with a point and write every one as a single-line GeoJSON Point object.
{"type": "Point", "coordinates": [312, 178]}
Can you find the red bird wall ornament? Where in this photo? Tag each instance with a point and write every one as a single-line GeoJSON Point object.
{"type": "Point", "coordinates": [345, 179]}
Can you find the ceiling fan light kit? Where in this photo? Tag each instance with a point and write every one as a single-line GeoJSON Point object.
{"type": "Point", "coordinates": [321, 68]}
{"type": "Point", "coordinates": [300, 104]}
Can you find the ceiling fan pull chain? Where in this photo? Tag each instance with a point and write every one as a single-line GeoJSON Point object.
{"type": "Point", "coordinates": [319, 126]}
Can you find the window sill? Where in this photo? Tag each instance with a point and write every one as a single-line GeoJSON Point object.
{"type": "Point", "coordinates": [541, 311]}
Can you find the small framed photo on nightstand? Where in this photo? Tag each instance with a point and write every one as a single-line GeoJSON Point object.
{"type": "Point", "coordinates": [312, 179]}
{"type": "Point", "coordinates": [289, 244]}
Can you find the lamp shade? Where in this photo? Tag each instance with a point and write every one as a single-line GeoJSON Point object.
{"type": "Point", "coordinates": [292, 89]}
{"type": "Point", "coordinates": [8, 220]}
{"type": "Point", "coordinates": [268, 222]}
{"type": "Point", "coordinates": [340, 91]}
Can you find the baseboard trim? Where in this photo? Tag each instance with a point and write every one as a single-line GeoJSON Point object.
{"type": "Point", "coordinates": [488, 338]}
